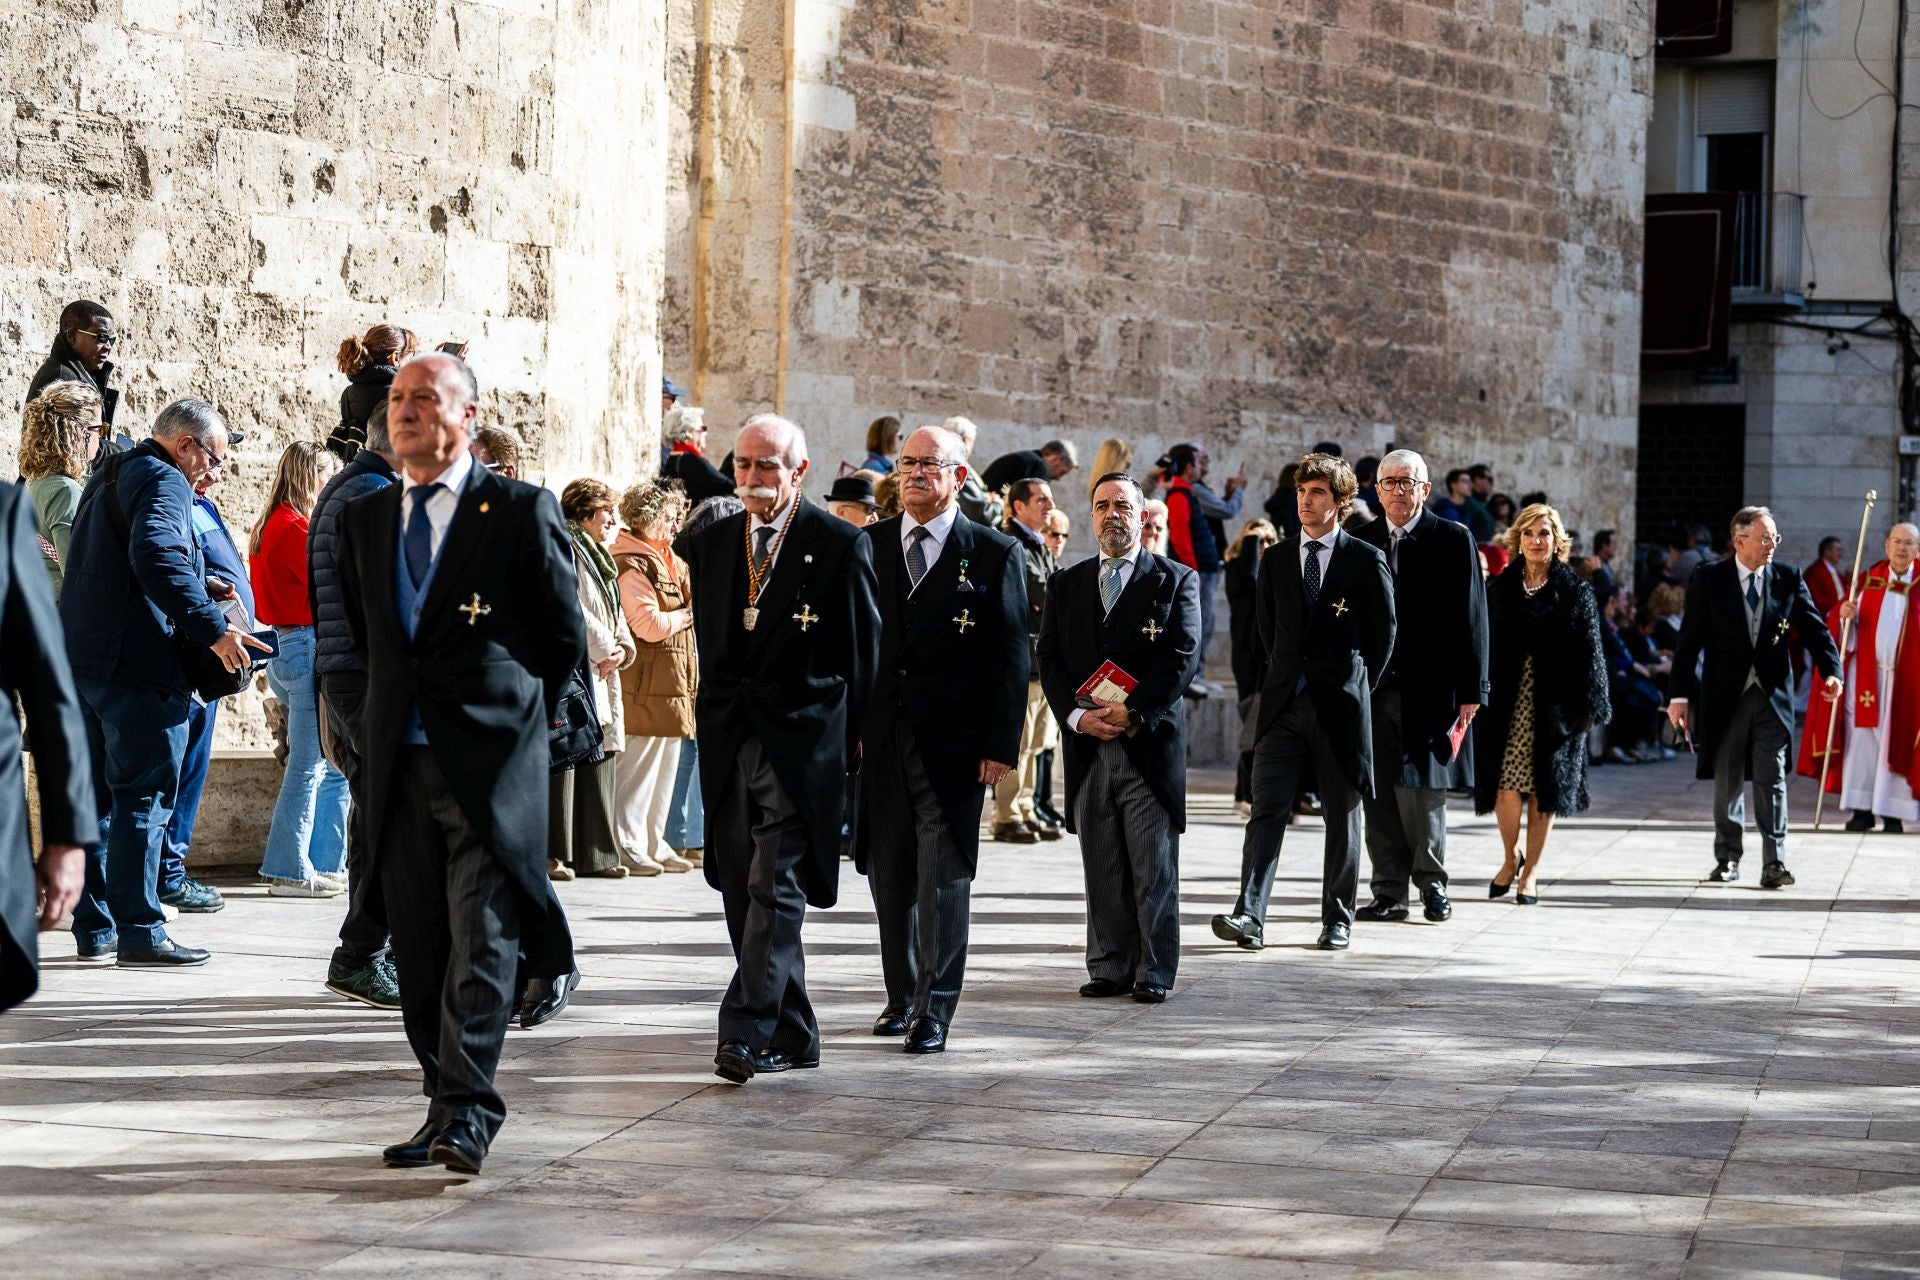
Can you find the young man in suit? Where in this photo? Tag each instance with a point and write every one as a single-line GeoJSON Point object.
{"type": "Point", "coordinates": [1016, 803]}
{"type": "Point", "coordinates": [1126, 760]}
{"type": "Point", "coordinates": [461, 601]}
{"type": "Point", "coordinates": [943, 725]}
{"type": "Point", "coordinates": [1326, 618]}
{"type": "Point", "coordinates": [783, 609]}
{"type": "Point", "coordinates": [1740, 612]}
{"type": "Point", "coordinates": [1433, 682]}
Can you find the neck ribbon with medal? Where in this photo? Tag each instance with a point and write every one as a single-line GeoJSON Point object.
{"type": "Point", "coordinates": [750, 616]}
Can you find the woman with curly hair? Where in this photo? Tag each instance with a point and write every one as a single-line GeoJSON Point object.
{"type": "Point", "coordinates": [658, 689]}
{"type": "Point", "coordinates": [57, 438]}
{"type": "Point", "coordinates": [1550, 686]}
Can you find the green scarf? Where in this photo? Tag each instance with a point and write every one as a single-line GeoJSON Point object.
{"type": "Point", "coordinates": [603, 567]}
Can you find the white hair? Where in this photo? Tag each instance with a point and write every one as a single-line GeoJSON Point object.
{"type": "Point", "coordinates": [794, 441]}
{"type": "Point", "coordinates": [1406, 458]}
{"type": "Point", "coordinates": [190, 417]}
{"type": "Point", "coordinates": [952, 447]}
{"type": "Point", "coordinates": [683, 422]}
{"type": "Point", "coordinates": [964, 428]}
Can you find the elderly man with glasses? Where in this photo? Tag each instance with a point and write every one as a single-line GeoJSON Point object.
{"type": "Point", "coordinates": [87, 335]}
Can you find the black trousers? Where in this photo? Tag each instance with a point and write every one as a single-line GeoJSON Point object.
{"type": "Point", "coordinates": [1406, 826]}
{"type": "Point", "coordinates": [1131, 856]}
{"type": "Point", "coordinates": [921, 890]}
{"type": "Point", "coordinates": [1292, 747]}
{"type": "Point", "coordinates": [455, 946]}
{"type": "Point", "coordinates": [363, 934]}
{"type": "Point", "coordinates": [1754, 745]}
{"type": "Point", "coordinates": [756, 841]}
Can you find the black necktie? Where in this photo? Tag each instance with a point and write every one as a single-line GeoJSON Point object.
{"type": "Point", "coordinates": [762, 539]}
{"type": "Point", "coordinates": [1311, 575]}
{"type": "Point", "coordinates": [420, 534]}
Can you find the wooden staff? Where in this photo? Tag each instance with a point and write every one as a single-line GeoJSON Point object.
{"type": "Point", "coordinates": [1846, 628]}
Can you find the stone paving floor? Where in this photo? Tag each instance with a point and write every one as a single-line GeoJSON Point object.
{"type": "Point", "coordinates": [1643, 1076]}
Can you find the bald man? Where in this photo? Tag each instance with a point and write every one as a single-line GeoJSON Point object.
{"type": "Point", "coordinates": [783, 609]}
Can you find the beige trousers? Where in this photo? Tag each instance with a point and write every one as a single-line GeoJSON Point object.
{"type": "Point", "coordinates": [1013, 794]}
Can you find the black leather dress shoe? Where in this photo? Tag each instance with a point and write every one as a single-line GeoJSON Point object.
{"type": "Point", "coordinates": [1437, 906]}
{"type": "Point", "coordinates": [460, 1147]}
{"type": "Point", "coordinates": [771, 1062]}
{"type": "Point", "coordinates": [1333, 937]}
{"type": "Point", "coordinates": [891, 1022]}
{"type": "Point", "coordinates": [1382, 909]}
{"type": "Point", "coordinates": [546, 997]}
{"type": "Point", "coordinates": [414, 1152]}
{"type": "Point", "coordinates": [1772, 876]}
{"type": "Point", "coordinates": [1149, 993]}
{"type": "Point", "coordinates": [1725, 873]}
{"type": "Point", "coordinates": [1243, 929]}
{"type": "Point", "coordinates": [1099, 988]}
{"type": "Point", "coordinates": [168, 955]}
{"type": "Point", "coordinates": [926, 1036]}
{"type": "Point", "coordinates": [1862, 820]}
{"type": "Point", "coordinates": [1893, 827]}
{"type": "Point", "coordinates": [734, 1062]}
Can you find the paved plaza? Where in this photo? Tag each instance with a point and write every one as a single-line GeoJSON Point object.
{"type": "Point", "coordinates": [1643, 1076]}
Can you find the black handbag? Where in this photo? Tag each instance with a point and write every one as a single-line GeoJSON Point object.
{"type": "Point", "coordinates": [573, 737]}
{"type": "Point", "coordinates": [205, 674]}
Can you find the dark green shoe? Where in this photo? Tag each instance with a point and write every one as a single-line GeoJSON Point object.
{"type": "Point", "coordinates": [374, 983]}
{"type": "Point", "coordinates": [192, 896]}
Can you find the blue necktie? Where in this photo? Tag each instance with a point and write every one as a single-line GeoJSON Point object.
{"type": "Point", "coordinates": [1753, 594]}
{"type": "Point", "coordinates": [420, 534]}
{"type": "Point", "coordinates": [1110, 582]}
{"type": "Point", "coordinates": [917, 553]}
{"type": "Point", "coordinates": [1312, 572]}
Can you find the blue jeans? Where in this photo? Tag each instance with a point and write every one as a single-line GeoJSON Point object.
{"type": "Point", "coordinates": [1209, 590]}
{"type": "Point", "coordinates": [310, 818]}
{"type": "Point", "coordinates": [686, 814]}
{"type": "Point", "coordinates": [186, 807]}
{"type": "Point", "coordinates": [137, 735]}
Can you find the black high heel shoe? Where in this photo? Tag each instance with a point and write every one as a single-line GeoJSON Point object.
{"type": "Point", "coordinates": [1523, 899]}
{"type": "Point", "coordinates": [1497, 890]}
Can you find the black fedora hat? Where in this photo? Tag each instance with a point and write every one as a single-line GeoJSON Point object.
{"type": "Point", "coordinates": [852, 489]}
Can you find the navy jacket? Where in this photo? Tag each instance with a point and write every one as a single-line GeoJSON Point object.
{"type": "Point", "coordinates": [126, 593]}
{"type": "Point", "coordinates": [332, 642]}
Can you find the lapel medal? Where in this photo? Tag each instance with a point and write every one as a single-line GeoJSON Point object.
{"type": "Point", "coordinates": [963, 584]}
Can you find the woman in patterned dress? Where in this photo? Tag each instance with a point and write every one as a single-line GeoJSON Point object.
{"type": "Point", "coordinates": [1549, 677]}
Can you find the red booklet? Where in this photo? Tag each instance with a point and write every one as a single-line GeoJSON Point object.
{"type": "Point", "coordinates": [1105, 687]}
{"type": "Point", "coordinates": [1456, 736]}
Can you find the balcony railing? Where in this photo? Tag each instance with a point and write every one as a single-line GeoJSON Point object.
{"type": "Point", "coordinates": [1767, 242]}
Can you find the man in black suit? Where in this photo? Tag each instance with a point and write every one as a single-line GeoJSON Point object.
{"type": "Point", "coordinates": [1433, 681]}
{"type": "Point", "coordinates": [33, 668]}
{"type": "Point", "coordinates": [943, 724]}
{"type": "Point", "coordinates": [1126, 758]}
{"type": "Point", "coordinates": [1740, 613]}
{"type": "Point", "coordinates": [461, 599]}
{"type": "Point", "coordinates": [1016, 802]}
{"type": "Point", "coordinates": [1050, 462]}
{"type": "Point", "coordinates": [1326, 619]}
{"type": "Point", "coordinates": [783, 609]}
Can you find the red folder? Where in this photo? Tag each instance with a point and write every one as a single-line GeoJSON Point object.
{"type": "Point", "coordinates": [1106, 686]}
{"type": "Point", "coordinates": [1456, 736]}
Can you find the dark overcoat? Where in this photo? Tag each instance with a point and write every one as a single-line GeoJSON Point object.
{"type": "Point", "coordinates": [33, 668]}
{"type": "Point", "coordinates": [1714, 627]}
{"type": "Point", "coordinates": [1152, 634]}
{"type": "Point", "coordinates": [1340, 644]}
{"type": "Point", "coordinates": [485, 683]}
{"type": "Point", "coordinates": [953, 667]}
{"type": "Point", "coordinates": [1559, 628]}
{"type": "Point", "coordinates": [799, 684]}
{"type": "Point", "coordinates": [1439, 661]}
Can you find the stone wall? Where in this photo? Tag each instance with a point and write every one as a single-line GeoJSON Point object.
{"type": "Point", "coordinates": [246, 183]}
{"type": "Point", "coordinates": [1258, 225]}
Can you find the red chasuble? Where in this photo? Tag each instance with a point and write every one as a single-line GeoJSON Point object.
{"type": "Point", "coordinates": [1901, 720]}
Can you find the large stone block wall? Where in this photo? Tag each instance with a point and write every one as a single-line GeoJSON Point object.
{"type": "Point", "coordinates": [1259, 225]}
{"type": "Point", "coordinates": [246, 182]}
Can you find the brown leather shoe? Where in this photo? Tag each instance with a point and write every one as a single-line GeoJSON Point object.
{"type": "Point", "coordinates": [1045, 830]}
{"type": "Point", "coordinates": [1015, 833]}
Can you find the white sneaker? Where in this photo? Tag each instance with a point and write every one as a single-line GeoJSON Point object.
{"type": "Point", "coordinates": [338, 879]}
{"type": "Point", "coordinates": [169, 912]}
{"type": "Point", "coordinates": [314, 888]}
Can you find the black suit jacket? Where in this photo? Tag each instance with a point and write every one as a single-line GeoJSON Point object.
{"type": "Point", "coordinates": [1021, 464]}
{"type": "Point", "coordinates": [1153, 634]}
{"type": "Point", "coordinates": [962, 689]}
{"type": "Point", "coordinates": [33, 667]}
{"type": "Point", "coordinates": [485, 687]}
{"type": "Point", "coordinates": [1341, 645]}
{"type": "Point", "coordinates": [1715, 626]}
{"type": "Point", "coordinates": [1041, 566]}
{"type": "Point", "coordinates": [798, 685]}
{"type": "Point", "coordinates": [1439, 660]}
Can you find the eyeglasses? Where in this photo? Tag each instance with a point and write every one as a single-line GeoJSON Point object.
{"type": "Point", "coordinates": [107, 339]}
{"type": "Point", "coordinates": [215, 461]}
{"type": "Point", "coordinates": [1399, 484]}
{"type": "Point", "coordinates": [910, 466]}
{"type": "Point", "coordinates": [1767, 540]}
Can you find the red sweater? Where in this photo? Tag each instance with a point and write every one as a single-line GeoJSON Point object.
{"type": "Point", "coordinates": [279, 571]}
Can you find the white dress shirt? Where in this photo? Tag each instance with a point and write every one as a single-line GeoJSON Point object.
{"type": "Point", "coordinates": [937, 530]}
{"type": "Point", "coordinates": [1325, 553]}
{"type": "Point", "coordinates": [440, 506]}
{"type": "Point", "coordinates": [1129, 563]}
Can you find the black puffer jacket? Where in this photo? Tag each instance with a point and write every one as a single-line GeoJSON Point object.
{"type": "Point", "coordinates": [366, 391]}
{"type": "Point", "coordinates": [332, 643]}
{"type": "Point", "coordinates": [1560, 629]}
